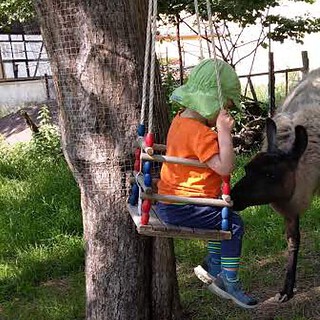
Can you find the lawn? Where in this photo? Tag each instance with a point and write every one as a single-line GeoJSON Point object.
{"type": "Point", "coordinates": [42, 255]}
{"type": "Point", "coordinates": [262, 271]}
{"type": "Point", "coordinates": [41, 246]}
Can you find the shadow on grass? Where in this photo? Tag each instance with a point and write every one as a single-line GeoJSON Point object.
{"type": "Point", "coordinates": [56, 299]}
{"type": "Point", "coordinates": [41, 243]}
{"type": "Point", "coordinates": [40, 265]}
{"type": "Point", "coordinates": [36, 211]}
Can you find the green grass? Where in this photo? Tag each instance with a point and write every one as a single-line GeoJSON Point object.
{"type": "Point", "coordinates": [42, 253]}
{"type": "Point", "coordinates": [41, 246]}
{"type": "Point", "coordinates": [262, 271]}
{"type": "Point", "coordinates": [281, 91]}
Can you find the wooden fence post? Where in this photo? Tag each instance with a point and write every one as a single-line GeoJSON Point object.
{"type": "Point", "coordinates": [2, 74]}
{"type": "Point", "coordinates": [253, 92]}
{"type": "Point", "coordinates": [46, 80]}
{"type": "Point", "coordinates": [271, 85]}
{"type": "Point", "coordinates": [305, 63]}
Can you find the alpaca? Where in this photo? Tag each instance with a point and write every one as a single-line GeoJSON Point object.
{"type": "Point", "coordinates": [286, 172]}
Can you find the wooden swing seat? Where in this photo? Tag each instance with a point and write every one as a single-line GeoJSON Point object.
{"type": "Point", "coordinates": [157, 228]}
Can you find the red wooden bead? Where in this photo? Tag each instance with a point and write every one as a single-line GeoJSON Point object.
{"type": "Point", "coordinates": [226, 179]}
{"type": "Point", "coordinates": [226, 189]}
{"type": "Point", "coordinates": [137, 153]}
{"type": "Point", "coordinates": [144, 218]}
{"type": "Point", "coordinates": [149, 139]}
{"type": "Point", "coordinates": [146, 206]}
{"type": "Point", "coordinates": [226, 185]}
{"type": "Point", "coordinates": [136, 166]}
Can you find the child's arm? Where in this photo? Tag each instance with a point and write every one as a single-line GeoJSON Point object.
{"type": "Point", "coordinates": [223, 162]}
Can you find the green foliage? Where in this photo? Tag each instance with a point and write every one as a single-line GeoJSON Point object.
{"type": "Point", "coordinates": [239, 11]}
{"type": "Point", "coordinates": [244, 13]}
{"type": "Point", "coordinates": [174, 7]}
{"type": "Point", "coordinates": [46, 143]}
{"type": "Point", "coordinates": [169, 84]}
{"type": "Point", "coordinates": [285, 28]}
{"type": "Point", "coordinates": [15, 10]}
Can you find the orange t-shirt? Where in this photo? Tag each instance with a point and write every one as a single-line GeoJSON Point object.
{"type": "Point", "coordinates": [189, 138]}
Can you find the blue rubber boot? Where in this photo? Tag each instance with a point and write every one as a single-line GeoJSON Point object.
{"type": "Point", "coordinates": [231, 290]}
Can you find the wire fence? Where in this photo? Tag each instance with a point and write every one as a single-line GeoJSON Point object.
{"type": "Point", "coordinates": [98, 82]}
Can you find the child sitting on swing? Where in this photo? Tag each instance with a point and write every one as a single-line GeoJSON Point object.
{"type": "Point", "coordinates": [190, 136]}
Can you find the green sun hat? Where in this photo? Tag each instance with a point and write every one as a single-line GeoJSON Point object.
{"type": "Point", "coordinates": [200, 93]}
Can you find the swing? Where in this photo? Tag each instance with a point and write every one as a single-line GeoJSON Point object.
{"type": "Point", "coordinates": [140, 206]}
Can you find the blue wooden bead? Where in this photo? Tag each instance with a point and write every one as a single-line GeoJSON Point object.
{"type": "Point", "coordinates": [135, 190]}
{"type": "Point", "coordinates": [225, 213]}
{"type": "Point", "coordinates": [147, 180]}
{"type": "Point", "coordinates": [147, 167]}
{"type": "Point", "coordinates": [141, 130]}
{"type": "Point", "coordinates": [133, 200]}
{"type": "Point", "coordinates": [224, 224]}
{"type": "Point", "coordinates": [134, 197]}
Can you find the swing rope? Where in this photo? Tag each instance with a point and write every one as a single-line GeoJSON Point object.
{"type": "Point", "coordinates": [214, 53]}
{"type": "Point", "coordinates": [153, 64]}
{"type": "Point", "coordinates": [143, 180]}
{"type": "Point", "coordinates": [150, 44]}
{"type": "Point", "coordinates": [226, 179]}
{"type": "Point", "coordinates": [196, 7]}
{"type": "Point", "coordinates": [150, 48]}
{"type": "Point", "coordinates": [146, 66]}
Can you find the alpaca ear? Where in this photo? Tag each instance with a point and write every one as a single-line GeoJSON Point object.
{"type": "Point", "coordinates": [271, 129]}
{"type": "Point", "coordinates": [300, 142]}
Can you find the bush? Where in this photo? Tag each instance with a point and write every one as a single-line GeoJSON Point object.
{"type": "Point", "coordinates": [45, 144]}
{"type": "Point", "coordinates": [169, 84]}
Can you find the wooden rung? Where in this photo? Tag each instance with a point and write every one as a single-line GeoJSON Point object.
{"type": "Point", "coordinates": [156, 146]}
{"type": "Point", "coordinates": [177, 199]}
{"type": "Point", "coordinates": [157, 228]}
{"type": "Point", "coordinates": [159, 147]}
{"type": "Point", "coordinates": [142, 145]}
{"type": "Point", "coordinates": [160, 158]}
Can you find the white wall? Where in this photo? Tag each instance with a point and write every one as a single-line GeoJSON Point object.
{"type": "Point", "coordinates": [18, 93]}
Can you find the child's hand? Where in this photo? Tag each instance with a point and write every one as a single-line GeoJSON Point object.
{"type": "Point", "coordinates": [225, 122]}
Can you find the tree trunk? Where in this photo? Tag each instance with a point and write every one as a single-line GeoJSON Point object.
{"type": "Point", "coordinates": [96, 50]}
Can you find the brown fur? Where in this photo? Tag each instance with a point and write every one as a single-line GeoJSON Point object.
{"type": "Point", "coordinates": [286, 173]}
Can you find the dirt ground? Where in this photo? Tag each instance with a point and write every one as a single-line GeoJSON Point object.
{"type": "Point", "coordinates": [304, 304]}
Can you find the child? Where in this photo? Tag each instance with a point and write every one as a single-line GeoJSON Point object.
{"type": "Point", "coordinates": [190, 136]}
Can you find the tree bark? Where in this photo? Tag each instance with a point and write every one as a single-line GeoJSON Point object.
{"type": "Point", "coordinates": [96, 49]}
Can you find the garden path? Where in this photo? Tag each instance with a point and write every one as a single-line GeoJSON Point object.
{"type": "Point", "coordinates": [14, 128]}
